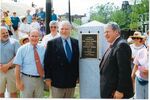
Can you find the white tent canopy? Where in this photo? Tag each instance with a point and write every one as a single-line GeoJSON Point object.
{"type": "Point", "coordinates": [93, 24]}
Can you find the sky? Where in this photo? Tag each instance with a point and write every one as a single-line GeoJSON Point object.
{"type": "Point", "coordinates": [77, 6]}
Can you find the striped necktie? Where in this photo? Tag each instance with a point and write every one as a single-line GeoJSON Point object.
{"type": "Point", "coordinates": [106, 55]}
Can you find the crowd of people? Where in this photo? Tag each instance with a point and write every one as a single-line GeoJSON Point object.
{"type": "Point", "coordinates": [29, 58]}
{"type": "Point", "coordinates": [20, 26]}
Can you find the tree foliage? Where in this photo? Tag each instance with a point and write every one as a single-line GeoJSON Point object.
{"type": "Point", "coordinates": [127, 19]}
{"type": "Point", "coordinates": [119, 17]}
{"type": "Point", "coordinates": [102, 12]}
{"type": "Point", "coordinates": [137, 10]}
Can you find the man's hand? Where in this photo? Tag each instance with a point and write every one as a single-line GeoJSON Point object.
{"type": "Point", "coordinates": [77, 81]}
{"type": "Point", "coordinates": [118, 95]}
{"type": "Point", "coordinates": [4, 67]}
{"type": "Point", "coordinates": [20, 85]}
{"type": "Point", "coordinates": [48, 82]}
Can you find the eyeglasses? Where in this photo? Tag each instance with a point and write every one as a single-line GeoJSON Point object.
{"type": "Point", "coordinates": [53, 27]}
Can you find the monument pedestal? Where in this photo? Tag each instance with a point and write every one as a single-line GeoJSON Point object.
{"type": "Point", "coordinates": [92, 46]}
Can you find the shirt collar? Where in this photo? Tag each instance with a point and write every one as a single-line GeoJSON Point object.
{"type": "Point", "coordinates": [68, 39]}
{"type": "Point", "coordinates": [114, 40]}
{"type": "Point", "coordinates": [5, 42]}
{"type": "Point", "coordinates": [53, 36]}
{"type": "Point", "coordinates": [33, 46]}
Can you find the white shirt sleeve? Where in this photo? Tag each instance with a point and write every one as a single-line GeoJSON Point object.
{"type": "Point", "coordinates": [141, 57]}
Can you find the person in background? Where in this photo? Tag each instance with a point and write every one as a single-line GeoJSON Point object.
{"type": "Point", "coordinates": [36, 13]}
{"type": "Point", "coordinates": [61, 63]}
{"type": "Point", "coordinates": [7, 20]}
{"type": "Point", "coordinates": [1, 13]}
{"type": "Point", "coordinates": [8, 47]}
{"type": "Point", "coordinates": [29, 67]}
{"type": "Point", "coordinates": [24, 39]}
{"type": "Point", "coordinates": [35, 24]}
{"type": "Point", "coordinates": [15, 21]}
{"type": "Point", "coordinates": [8, 12]}
{"type": "Point", "coordinates": [29, 17]}
{"type": "Point", "coordinates": [3, 23]}
{"type": "Point", "coordinates": [54, 34]}
{"type": "Point", "coordinates": [115, 66]}
{"type": "Point", "coordinates": [42, 28]}
{"type": "Point", "coordinates": [53, 16]}
{"type": "Point", "coordinates": [137, 45]}
{"type": "Point", "coordinates": [42, 14]}
{"type": "Point", "coordinates": [24, 27]}
{"type": "Point", "coordinates": [140, 74]}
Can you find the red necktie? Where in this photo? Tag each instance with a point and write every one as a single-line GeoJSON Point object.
{"type": "Point", "coordinates": [38, 63]}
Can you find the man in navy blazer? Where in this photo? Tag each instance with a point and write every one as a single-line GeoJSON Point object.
{"type": "Point", "coordinates": [62, 63]}
{"type": "Point", "coordinates": [115, 67]}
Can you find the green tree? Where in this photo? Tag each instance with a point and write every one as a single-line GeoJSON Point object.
{"type": "Point", "coordinates": [102, 12]}
{"type": "Point", "coordinates": [129, 18]}
{"type": "Point", "coordinates": [77, 21]}
{"type": "Point", "coordinates": [119, 17]}
{"type": "Point", "coordinates": [137, 11]}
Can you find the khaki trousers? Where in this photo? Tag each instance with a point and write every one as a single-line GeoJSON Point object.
{"type": "Point", "coordinates": [33, 87]}
{"type": "Point", "coordinates": [62, 92]}
{"type": "Point", "coordinates": [8, 80]}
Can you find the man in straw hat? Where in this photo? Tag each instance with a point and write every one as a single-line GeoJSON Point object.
{"type": "Point", "coordinates": [24, 39]}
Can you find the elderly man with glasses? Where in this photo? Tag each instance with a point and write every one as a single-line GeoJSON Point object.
{"type": "Point", "coordinates": [54, 33]}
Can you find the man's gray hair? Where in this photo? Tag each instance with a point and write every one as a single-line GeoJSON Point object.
{"type": "Point", "coordinates": [34, 30]}
{"type": "Point", "coordinates": [65, 23]}
{"type": "Point", "coordinates": [114, 26]}
{"type": "Point", "coordinates": [53, 23]}
{"type": "Point", "coordinates": [3, 27]}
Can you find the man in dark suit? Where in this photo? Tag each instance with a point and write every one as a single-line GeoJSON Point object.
{"type": "Point", "coordinates": [115, 67]}
{"type": "Point", "coordinates": [62, 63]}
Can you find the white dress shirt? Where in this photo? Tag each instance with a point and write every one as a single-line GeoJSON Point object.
{"type": "Point", "coordinates": [47, 38]}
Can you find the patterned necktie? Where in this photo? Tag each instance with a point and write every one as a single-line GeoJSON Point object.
{"type": "Point", "coordinates": [38, 63]}
{"type": "Point", "coordinates": [106, 55]}
{"type": "Point", "coordinates": [68, 51]}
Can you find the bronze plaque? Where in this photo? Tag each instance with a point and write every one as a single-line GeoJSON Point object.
{"type": "Point", "coordinates": [89, 46]}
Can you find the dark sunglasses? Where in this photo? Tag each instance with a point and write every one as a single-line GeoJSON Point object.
{"type": "Point", "coordinates": [136, 38]}
{"type": "Point", "coordinates": [53, 27]}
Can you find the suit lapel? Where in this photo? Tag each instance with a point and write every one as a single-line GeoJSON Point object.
{"type": "Point", "coordinates": [113, 46]}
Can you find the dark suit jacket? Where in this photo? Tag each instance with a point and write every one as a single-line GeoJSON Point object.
{"type": "Point", "coordinates": [62, 73]}
{"type": "Point", "coordinates": [115, 74]}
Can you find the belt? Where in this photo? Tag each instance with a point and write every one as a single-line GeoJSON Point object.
{"type": "Point", "coordinates": [32, 76]}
